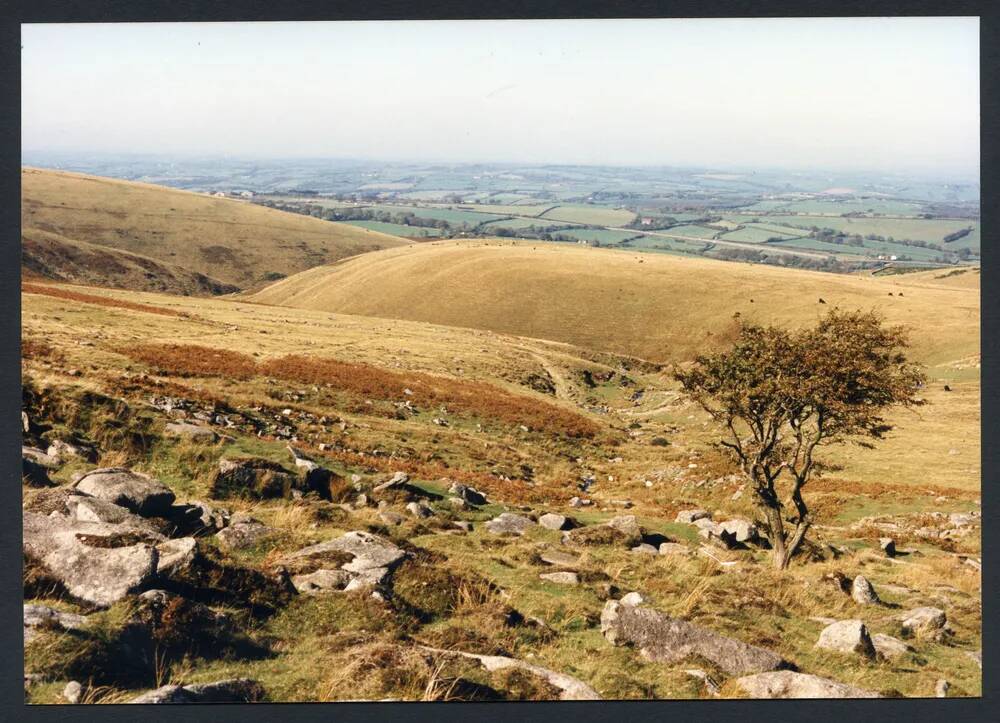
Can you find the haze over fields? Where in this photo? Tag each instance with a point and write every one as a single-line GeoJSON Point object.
{"type": "Point", "coordinates": [388, 397]}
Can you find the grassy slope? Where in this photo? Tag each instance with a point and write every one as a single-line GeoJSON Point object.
{"type": "Point", "coordinates": [661, 308]}
{"type": "Point", "coordinates": [232, 241]}
{"type": "Point", "coordinates": [51, 256]}
{"type": "Point", "coordinates": [320, 636]}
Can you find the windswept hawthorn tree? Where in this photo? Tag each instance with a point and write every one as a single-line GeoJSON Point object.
{"type": "Point", "coordinates": [779, 395]}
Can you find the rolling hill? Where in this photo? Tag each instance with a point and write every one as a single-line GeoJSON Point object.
{"type": "Point", "coordinates": [661, 308]}
{"type": "Point", "coordinates": [176, 237]}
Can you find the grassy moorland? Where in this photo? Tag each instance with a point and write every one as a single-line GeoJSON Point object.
{"type": "Point", "coordinates": [228, 241]}
{"type": "Point", "coordinates": [659, 307]}
{"type": "Point", "coordinates": [466, 390]}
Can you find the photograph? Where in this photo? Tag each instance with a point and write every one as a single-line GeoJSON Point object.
{"type": "Point", "coordinates": [501, 360]}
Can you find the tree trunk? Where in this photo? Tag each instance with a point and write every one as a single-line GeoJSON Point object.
{"type": "Point", "coordinates": [771, 507]}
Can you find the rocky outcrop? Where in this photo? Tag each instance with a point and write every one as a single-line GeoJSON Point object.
{"type": "Point", "coordinates": [787, 684]}
{"type": "Point", "coordinates": [186, 430]}
{"type": "Point", "coordinates": [888, 647]}
{"type": "Point", "coordinates": [98, 563]}
{"type": "Point", "coordinates": [366, 559]}
{"type": "Point", "coordinates": [660, 638]}
{"type": "Point", "coordinates": [134, 491]}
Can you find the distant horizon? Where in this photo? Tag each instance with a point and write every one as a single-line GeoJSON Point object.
{"type": "Point", "coordinates": [180, 157]}
{"type": "Point", "coordinates": [896, 95]}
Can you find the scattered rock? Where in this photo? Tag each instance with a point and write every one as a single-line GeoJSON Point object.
{"type": "Point", "coordinates": [924, 622]}
{"type": "Point", "coordinates": [186, 430]}
{"type": "Point", "coordinates": [787, 684]}
{"type": "Point", "coordinates": [862, 591]}
{"type": "Point", "coordinates": [134, 491]}
{"type": "Point", "coordinates": [464, 525]}
{"type": "Point", "coordinates": [741, 530]}
{"type": "Point", "coordinates": [419, 509]}
{"type": "Point", "coordinates": [561, 578]}
{"type": "Point", "coordinates": [243, 532]}
{"type": "Point", "coordinates": [976, 657]}
{"type": "Point", "coordinates": [553, 521]}
{"type": "Point", "coordinates": [399, 479]}
{"type": "Point", "coordinates": [690, 516]}
{"type": "Point", "coordinates": [661, 638]}
{"type": "Point", "coordinates": [941, 688]}
{"type": "Point", "coordinates": [469, 494]}
{"type": "Point", "coordinates": [645, 548]}
{"type": "Point", "coordinates": [847, 636]}
{"type": "Point", "coordinates": [509, 524]}
{"type": "Point", "coordinates": [673, 548]}
{"type": "Point", "coordinates": [888, 647]}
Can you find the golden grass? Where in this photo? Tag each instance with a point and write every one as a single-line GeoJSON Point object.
{"type": "Point", "coordinates": [232, 241]}
{"type": "Point", "coordinates": [665, 309]}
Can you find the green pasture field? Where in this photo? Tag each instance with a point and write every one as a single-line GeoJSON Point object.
{"type": "Point", "coordinates": [691, 230]}
{"type": "Point", "coordinates": [755, 235]}
{"type": "Point", "coordinates": [521, 223]}
{"type": "Point", "coordinates": [597, 215]}
{"type": "Point", "coordinates": [451, 215]}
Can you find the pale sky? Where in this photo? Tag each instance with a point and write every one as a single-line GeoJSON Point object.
{"type": "Point", "coordinates": [879, 94]}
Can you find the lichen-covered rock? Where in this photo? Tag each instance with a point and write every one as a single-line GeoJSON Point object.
{"type": "Point", "coordinates": [367, 558]}
{"type": "Point", "coordinates": [509, 524]}
{"type": "Point", "coordinates": [243, 532]}
{"type": "Point", "coordinates": [690, 516]}
{"type": "Point", "coordinates": [561, 578]}
{"type": "Point", "coordinates": [788, 684]}
{"type": "Point", "coordinates": [847, 636]}
{"type": "Point", "coordinates": [888, 647]}
{"type": "Point", "coordinates": [134, 491]}
{"type": "Point", "coordinates": [863, 592]}
{"type": "Point", "coordinates": [553, 521]}
{"type": "Point", "coordinates": [661, 638]}
{"type": "Point", "coordinates": [98, 563]}
{"type": "Point", "coordinates": [925, 622]}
